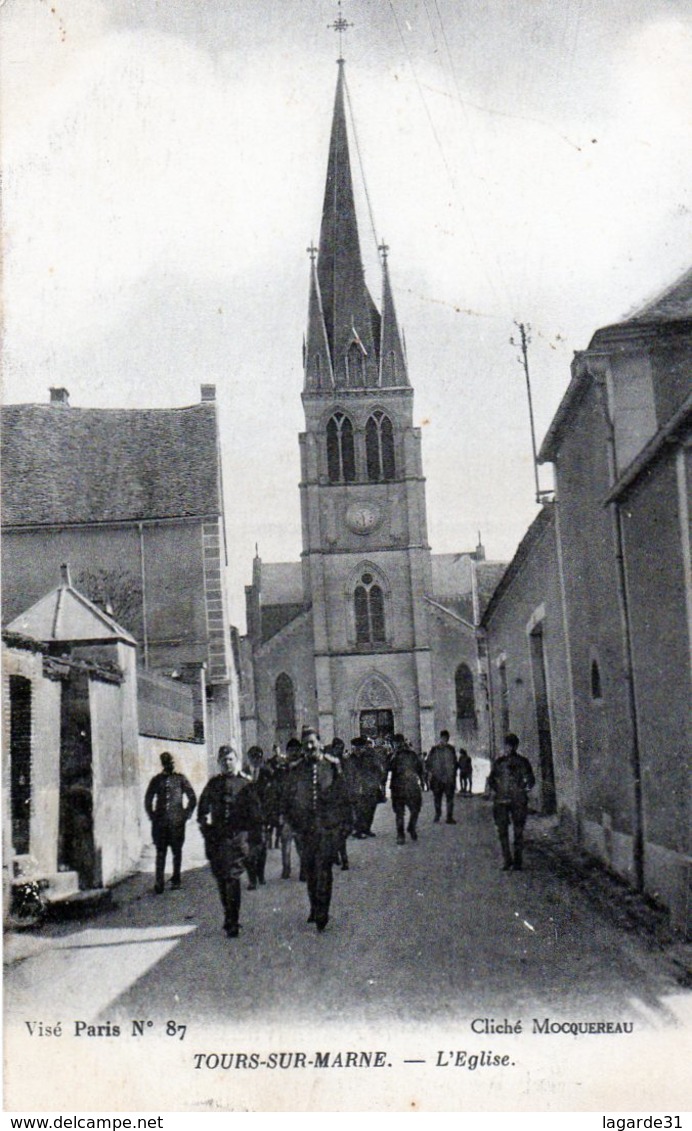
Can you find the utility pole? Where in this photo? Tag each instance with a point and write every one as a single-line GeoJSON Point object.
{"type": "Point", "coordinates": [523, 344]}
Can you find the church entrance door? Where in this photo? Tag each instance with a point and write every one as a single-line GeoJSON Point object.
{"type": "Point", "coordinates": [376, 724]}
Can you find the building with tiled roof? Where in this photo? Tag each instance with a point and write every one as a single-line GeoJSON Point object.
{"type": "Point", "coordinates": [132, 499]}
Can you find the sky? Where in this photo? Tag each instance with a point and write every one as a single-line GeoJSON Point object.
{"type": "Point", "coordinates": [164, 166]}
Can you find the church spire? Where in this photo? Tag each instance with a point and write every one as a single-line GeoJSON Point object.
{"type": "Point", "coordinates": [393, 368]}
{"type": "Point", "coordinates": [351, 319]}
{"type": "Point", "coordinates": [317, 360]}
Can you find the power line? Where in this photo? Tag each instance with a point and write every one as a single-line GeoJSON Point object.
{"type": "Point", "coordinates": [360, 162]}
{"type": "Point", "coordinates": [422, 96]}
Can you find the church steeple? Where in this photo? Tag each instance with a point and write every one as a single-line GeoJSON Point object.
{"type": "Point", "coordinates": [349, 344]}
{"type": "Point", "coordinates": [352, 322]}
{"type": "Point", "coordinates": [393, 368]}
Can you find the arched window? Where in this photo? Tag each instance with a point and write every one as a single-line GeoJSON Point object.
{"type": "Point", "coordinates": [355, 365]}
{"type": "Point", "coordinates": [341, 456]}
{"type": "Point", "coordinates": [379, 447]}
{"type": "Point", "coordinates": [285, 703]}
{"type": "Point", "coordinates": [369, 609]}
{"type": "Point", "coordinates": [596, 688]}
{"type": "Point", "coordinates": [466, 700]}
{"type": "Point", "coordinates": [317, 366]}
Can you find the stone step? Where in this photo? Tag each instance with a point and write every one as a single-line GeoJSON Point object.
{"type": "Point", "coordinates": [79, 904]}
{"type": "Point", "coordinates": [61, 884]}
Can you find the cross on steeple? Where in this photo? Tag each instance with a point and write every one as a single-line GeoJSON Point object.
{"type": "Point", "coordinates": [340, 25]}
{"type": "Point", "coordinates": [383, 249]}
{"type": "Point", "coordinates": [312, 252]}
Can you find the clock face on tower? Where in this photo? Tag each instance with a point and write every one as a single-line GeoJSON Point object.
{"type": "Point", "coordinates": [361, 518]}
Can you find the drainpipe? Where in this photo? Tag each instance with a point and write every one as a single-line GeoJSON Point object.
{"type": "Point", "coordinates": [143, 577]}
{"type": "Point", "coordinates": [635, 759]}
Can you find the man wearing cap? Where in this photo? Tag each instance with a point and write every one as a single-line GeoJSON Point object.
{"type": "Point", "coordinates": [170, 802]}
{"type": "Point", "coordinates": [442, 769]}
{"type": "Point", "coordinates": [511, 777]}
{"type": "Point", "coordinates": [407, 771]}
{"type": "Point", "coordinates": [317, 807]}
{"type": "Point", "coordinates": [229, 814]}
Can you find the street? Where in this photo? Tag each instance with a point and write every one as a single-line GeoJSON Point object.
{"type": "Point", "coordinates": [432, 931]}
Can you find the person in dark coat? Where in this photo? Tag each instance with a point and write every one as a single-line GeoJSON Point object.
{"type": "Point", "coordinates": [229, 814]}
{"type": "Point", "coordinates": [343, 755]}
{"type": "Point", "coordinates": [406, 768]}
{"type": "Point", "coordinates": [260, 774]}
{"type": "Point", "coordinates": [465, 772]}
{"type": "Point", "coordinates": [442, 771]}
{"type": "Point", "coordinates": [287, 832]}
{"type": "Point", "coordinates": [317, 807]}
{"type": "Point", "coordinates": [368, 789]}
{"type": "Point", "coordinates": [510, 779]}
{"type": "Point", "coordinates": [170, 802]}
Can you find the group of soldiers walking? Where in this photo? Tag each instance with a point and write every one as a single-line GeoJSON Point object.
{"type": "Point", "coordinates": [316, 797]}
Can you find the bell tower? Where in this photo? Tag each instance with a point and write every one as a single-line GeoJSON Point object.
{"type": "Point", "coordinates": [366, 559]}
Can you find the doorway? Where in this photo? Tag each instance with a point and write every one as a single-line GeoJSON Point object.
{"type": "Point", "coordinates": [376, 724]}
{"type": "Point", "coordinates": [545, 738]}
{"type": "Point", "coordinates": [20, 763]}
{"type": "Point", "coordinates": [76, 849]}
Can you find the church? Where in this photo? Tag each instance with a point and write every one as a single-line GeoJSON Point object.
{"type": "Point", "coordinates": [370, 633]}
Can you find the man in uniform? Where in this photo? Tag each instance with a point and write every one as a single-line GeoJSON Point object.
{"type": "Point", "coordinates": [257, 856]}
{"type": "Point", "coordinates": [465, 773]}
{"type": "Point", "coordinates": [442, 771]}
{"type": "Point", "coordinates": [407, 771]}
{"type": "Point", "coordinates": [368, 787]}
{"type": "Point", "coordinates": [511, 777]}
{"type": "Point", "coordinates": [317, 807]}
{"type": "Point", "coordinates": [229, 814]}
{"type": "Point", "coordinates": [343, 757]}
{"type": "Point", "coordinates": [165, 803]}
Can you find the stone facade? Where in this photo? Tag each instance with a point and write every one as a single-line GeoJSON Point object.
{"type": "Point", "coordinates": [360, 638]}
{"type": "Point", "coordinates": [620, 447]}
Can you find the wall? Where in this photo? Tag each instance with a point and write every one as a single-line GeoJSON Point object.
{"type": "Point", "coordinates": [454, 643]}
{"type": "Point", "coordinates": [289, 651]}
{"type": "Point", "coordinates": [531, 598]}
{"type": "Point", "coordinates": [653, 545]}
{"type": "Point", "coordinates": [166, 707]}
{"type": "Point", "coordinates": [175, 594]}
{"type": "Point", "coordinates": [45, 757]}
{"type": "Point", "coordinates": [603, 726]}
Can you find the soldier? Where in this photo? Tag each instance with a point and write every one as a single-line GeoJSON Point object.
{"type": "Point", "coordinates": [229, 813]}
{"type": "Point", "coordinates": [465, 773]}
{"type": "Point", "coordinates": [164, 802]}
{"type": "Point", "coordinates": [511, 777]}
{"type": "Point", "coordinates": [442, 770]}
{"type": "Point", "coordinates": [344, 758]}
{"type": "Point", "coordinates": [257, 857]}
{"type": "Point", "coordinates": [406, 787]}
{"type": "Point", "coordinates": [368, 788]}
{"type": "Point", "coordinates": [317, 807]}
{"type": "Point", "coordinates": [293, 754]}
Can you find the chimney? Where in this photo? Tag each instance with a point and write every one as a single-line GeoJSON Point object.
{"type": "Point", "coordinates": [480, 550]}
{"type": "Point", "coordinates": [59, 396]}
{"type": "Point", "coordinates": [65, 574]}
{"type": "Point", "coordinates": [208, 393]}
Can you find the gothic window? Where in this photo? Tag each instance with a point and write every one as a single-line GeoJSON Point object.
{"type": "Point", "coordinates": [379, 447]}
{"type": "Point", "coordinates": [317, 365]}
{"type": "Point", "coordinates": [341, 456]}
{"type": "Point", "coordinates": [596, 688]}
{"type": "Point", "coordinates": [369, 610]}
{"type": "Point", "coordinates": [466, 701]}
{"type": "Point", "coordinates": [355, 365]}
{"type": "Point", "coordinates": [285, 703]}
